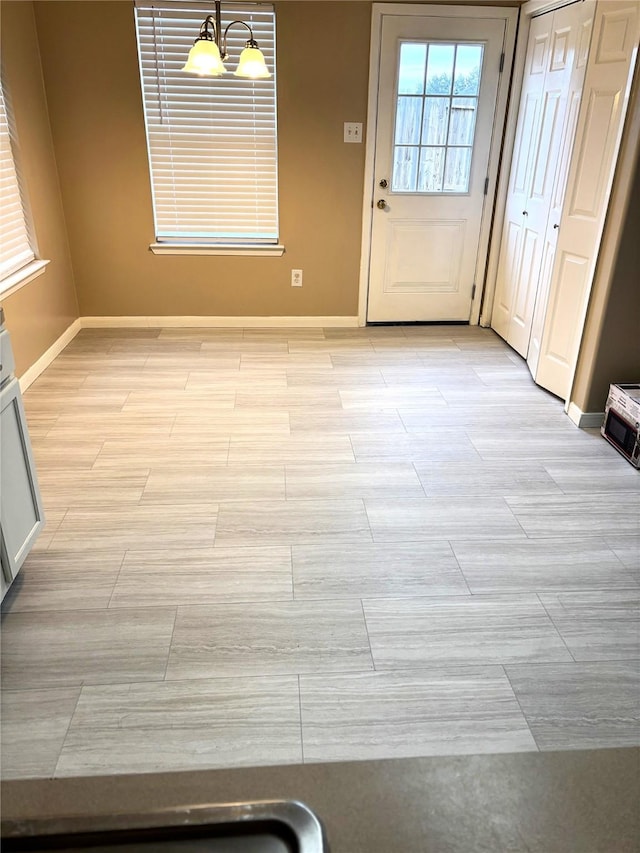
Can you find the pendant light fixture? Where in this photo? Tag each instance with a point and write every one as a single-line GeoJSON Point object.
{"type": "Point", "coordinates": [207, 56]}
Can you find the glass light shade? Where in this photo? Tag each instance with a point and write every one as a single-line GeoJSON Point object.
{"type": "Point", "coordinates": [252, 64]}
{"type": "Point", "coordinates": [204, 59]}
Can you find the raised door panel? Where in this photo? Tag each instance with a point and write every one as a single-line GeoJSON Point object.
{"type": "Point", "coordinates": [510, 256]}
{"type": "Point", "coordinates": [593, 162]}
{"type": "Point", "coordinates": [542, 296]}
{"type": "Point", "coordinates": [525, 279]}
{"type": "Point", "coordinates": [561, 334]}
{"type": "Point", "coordinates": [424, 256]}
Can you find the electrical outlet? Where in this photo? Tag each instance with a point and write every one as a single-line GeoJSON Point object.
{"type": "Point", "coordinates": [296, 278]}
{"type": "Point", "coordinates": [353, 131]}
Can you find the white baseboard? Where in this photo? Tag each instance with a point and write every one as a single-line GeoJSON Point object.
{"type": "Point", "coordinates": [585, 420]}
{"type": "Point", "coordinates": [31, 374]}
{"type": "Point", "coordinates": [217, 322]}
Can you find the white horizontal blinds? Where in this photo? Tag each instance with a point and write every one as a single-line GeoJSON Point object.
{"type": "Point", "coordinates": [212, 141]}
{"type": "Point", "coordinates": [15, 240]}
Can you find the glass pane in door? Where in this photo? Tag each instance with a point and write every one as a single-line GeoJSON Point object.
{"type": "Point", "coordinates": [405, 167]}
{"type": "Point", "coordinates": [431, 170]}
{"type": "Point", "coordinates": [435, 122]}
{"type": "Point", "coordinates": [412, 68]}
{"type": "Point", "coordinates": [436, 107]}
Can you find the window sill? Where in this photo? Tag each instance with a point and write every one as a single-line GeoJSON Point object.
{"type": "Point", "coordinates": [265, 250]}
{"type": "Point", "coordinates": [18, 279]}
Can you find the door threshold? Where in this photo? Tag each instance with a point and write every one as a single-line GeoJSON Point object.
{"type": "Point", "coordinates": [417, 322]}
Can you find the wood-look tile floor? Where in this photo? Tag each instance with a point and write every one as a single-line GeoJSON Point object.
{"type": "Point", "coordinates": [270, 546]}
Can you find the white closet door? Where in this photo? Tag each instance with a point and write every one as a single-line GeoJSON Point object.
{"type": "Point", "coordinates": [554, 49]}
{"type": "Point", "coordinates": [545, 160]}
{"type": "Point", "coordinates": [515, 261]}
{"type": "Point", "coordinates": [572, 95]}
{"type": "Point", "coordinates": [612, 58]}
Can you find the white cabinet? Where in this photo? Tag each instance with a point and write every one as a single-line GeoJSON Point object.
{"type": "Point", "coordinates": [21, 514]}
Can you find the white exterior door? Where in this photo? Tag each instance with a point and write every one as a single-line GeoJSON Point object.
{"type": "Point", "coordinates": [437, 95]}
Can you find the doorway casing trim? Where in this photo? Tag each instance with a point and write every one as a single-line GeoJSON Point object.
{"type": "Point", "coordinates": [379, 10]}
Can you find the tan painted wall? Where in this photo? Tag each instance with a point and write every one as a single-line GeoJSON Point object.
{"type": "Point", "coordinates": [619, 353]}
{"type": "Point", "coordinates": [42, 310]}
{"type": "Point", "coordinates": [93, 91]}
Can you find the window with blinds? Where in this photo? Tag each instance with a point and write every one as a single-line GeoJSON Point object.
{"type": "Point", "coordinates": [16, 244]}
{"type": "Point", "coordinates": [212, 141]}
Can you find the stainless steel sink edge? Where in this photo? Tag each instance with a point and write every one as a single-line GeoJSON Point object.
{"type": "Point", "coordinates": [298, 818]}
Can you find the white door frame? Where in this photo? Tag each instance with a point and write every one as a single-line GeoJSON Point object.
{"type": "Point", "coordinates": [379, 10]}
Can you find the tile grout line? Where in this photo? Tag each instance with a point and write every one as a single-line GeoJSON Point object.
{"type": "Point", "coordinates": [524, 716]}
{"type": "Point", "coordinates": [66, 734]}
{"type": "Point", "coordinates": [544, 463]}
{"type": "Point", "coordinates": [504, 500]}
{"type": "Point", "coordinates": [173, 425]}
{"type": "Point", "coordinates": [173, 631]}
{"type": "Point", "coordinates": [293, 582]}
{"type": "Point", "coordinates": [628, 572]}
{"type": "Point", "coordinates": [353, 453]}
{"type": "Point", "coordinates": [124, 556]}
{"type": "Point", "coordinates": [300, 717]}
{"type": "Point", "coordinates": [366, 627]}
{"type": "Point", "coordinates": [420, 481]}
{"type": "Point", "coordinates": [557, 630]}
{"type": "Point", "coordinates": [57, 530]}
{"type": "Point", "coordinates": [95, 458]}
{"type": "Point", "coordinates": [455, 557]}
{"type": "Point", "coordinates": [364, 505]}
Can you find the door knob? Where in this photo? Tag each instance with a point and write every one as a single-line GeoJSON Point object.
{"type": "Point", "coordinates": [556, 226]}
{"type": "Point", "coordinates": [381, 204]}
{"type": "Point", "coordinates": [525, 212]}
{"type": "Point", "coordinates": [384, 183]}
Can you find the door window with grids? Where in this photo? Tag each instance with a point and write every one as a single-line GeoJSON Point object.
{"type": "Point", "coordinates": [436, 107]}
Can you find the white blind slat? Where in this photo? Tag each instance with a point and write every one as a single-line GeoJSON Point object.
{"type": "Point", "coordinates": [15, 240]}
{"type": "Point", "coordinates": [212, 141]}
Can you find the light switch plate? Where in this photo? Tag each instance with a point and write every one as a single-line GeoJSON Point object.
{"type": "Point", "coordinates": [353, 131]}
